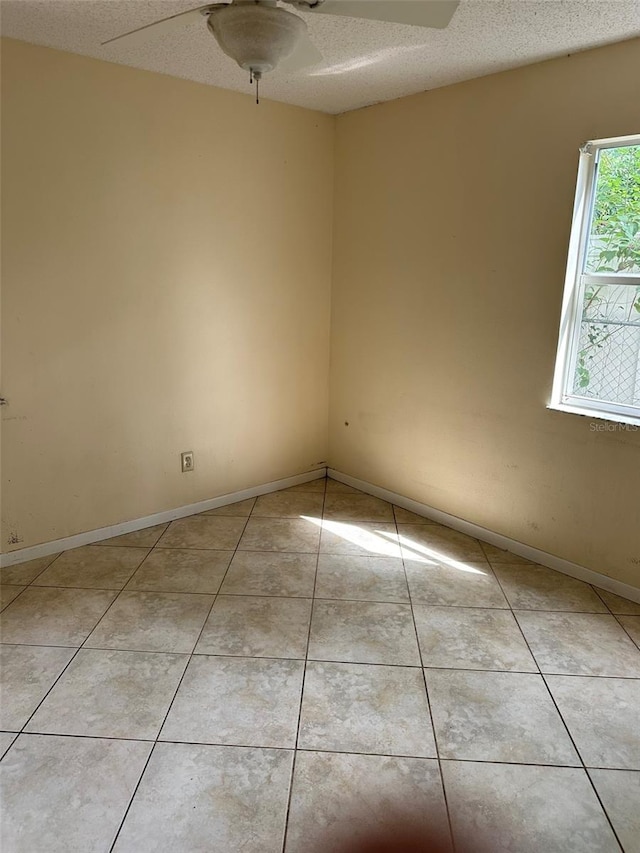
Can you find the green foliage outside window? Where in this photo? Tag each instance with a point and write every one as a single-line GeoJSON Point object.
{"type": "Point", "coordinates": [614, 247]}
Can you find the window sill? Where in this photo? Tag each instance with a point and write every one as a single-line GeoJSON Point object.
{"type": "Point", "coordinates": [628, 422]}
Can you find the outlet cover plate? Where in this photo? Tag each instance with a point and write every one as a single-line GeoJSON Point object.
{"type": "Point", "coordinates": [186, 461]}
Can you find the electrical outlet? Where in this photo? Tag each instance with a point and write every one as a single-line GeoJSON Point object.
{"type": "Point", "coordinates": [186, 459]}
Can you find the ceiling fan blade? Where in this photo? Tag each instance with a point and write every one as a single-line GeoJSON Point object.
{"type": "Point", "coordinates": [418, 13]}
{"type": "Point", "coordinates": [304, 54]}
{"type": "Point", "coordinates": [163, 26]}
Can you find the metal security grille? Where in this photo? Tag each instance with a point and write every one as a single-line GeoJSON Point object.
{"type": "Point", "coordinates": [612, 364]}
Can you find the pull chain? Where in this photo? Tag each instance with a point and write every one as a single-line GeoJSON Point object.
{"type": "Point", "coordinates": [255, 77]}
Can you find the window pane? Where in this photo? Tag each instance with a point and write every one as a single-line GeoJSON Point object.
{"type": "Point", "coordinates": [614, 240]}
{"type": "Point", "coordinates": [608, 362]}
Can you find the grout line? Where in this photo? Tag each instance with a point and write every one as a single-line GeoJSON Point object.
{"type": "Point", "coordinates": [40, 645]}
{"type": "Point", "coordinates": [624, 628]}
{"type": "Point", "coordinates": [135, 791]}
{"type": "Point", "coordinates": [170, 706]}
{"type": "Point", "coordinates": [564, 722]}
{"type": "Point", "coordinates": [273, 550]}
{"type": "Point", "coordinates": [312, 750]}
{"type": "Point", "coordinates": [16, 597]}
{"type": "Point", "coordinates": [90, 737]}
{"type": "Point", "coordinates": [120, 589]}
{"type": "Point", "coordinates": [445, 759]}
{"type": "Point", "coordinates": [56, 680]}
{"type": "Point", "coordinates": [3, 752]}
{"type": "Point", "coordinates": [426, 690]}
{"type": "Point", "coordinates": [164, 548]}
{"type": "Point", "coordinates": [84, 648]}
{"type": "Point", "coordinates": [597, 592]}
{"type": "Point", "coordinates": [582, 763]}
{"type": "Point", "coordinates": [343, 662]}
{"type": "Point", "coordinates": [414, 601]}
{"type": "Point", "coordinates": [320, 660]}
{"type": "Point", "coordinates": [304, 673]}
{"type": "Point", "coordinates": [48, 566]}
{"type": "Point", "coordinates": [31, 582]}
{"type": "Point", "coordinates": [519, 627]}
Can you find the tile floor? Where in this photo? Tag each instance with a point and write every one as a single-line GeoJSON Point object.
{"type": "Point", "coordinates": [289, 672]}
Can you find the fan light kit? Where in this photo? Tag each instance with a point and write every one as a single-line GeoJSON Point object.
{"type": "Point", "coordinates": [257, 36]}
{"type": "Point", "coordinates": [261, 36]}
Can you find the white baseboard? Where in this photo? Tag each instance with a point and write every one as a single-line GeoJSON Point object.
{"type": "Point", "coordinates": [497, 539]}
{"type": "Point", "coordinates": [46, 548]}
{"type": "Point", "coordinates": [527, 551]}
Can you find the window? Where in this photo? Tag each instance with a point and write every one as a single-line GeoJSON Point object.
{"type": "Point", "coordinates": [598, 361]}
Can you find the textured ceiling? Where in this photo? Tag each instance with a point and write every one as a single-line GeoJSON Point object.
{"type": "Point", "coordinates": [364, 61]}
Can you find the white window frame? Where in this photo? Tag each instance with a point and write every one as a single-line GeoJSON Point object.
{"type": "Point", "coordinates": [575, 281]}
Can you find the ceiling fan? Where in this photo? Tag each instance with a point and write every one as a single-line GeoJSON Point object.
{"type": "Point", "coordinates": [261, 36]}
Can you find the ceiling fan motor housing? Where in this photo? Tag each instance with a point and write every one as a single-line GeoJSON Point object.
{"type": "Point", "coordinates": [256, 36]}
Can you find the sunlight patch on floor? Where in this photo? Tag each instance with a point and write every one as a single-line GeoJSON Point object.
{"type": "Point", "coordinates": [366, 539]}
{"type": "Point", "coordinates": [425, 554]}
{"type": "Point", "coordinates": [382, 543]}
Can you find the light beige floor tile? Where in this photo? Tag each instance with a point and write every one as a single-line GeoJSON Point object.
{"type": "Point", "coordinates": [619, 791]}
{"type": "Point", "coordinates": [619, 605]}
{"type": "Point", "coordinates": [579, 644]}
{"type": "Point", "coordinates": [6, 739]}
{"type": "Point", "coordinates": [359, 539]}
{"type": "Point", "coordinates": [270, 573]}
{"type": "Point", "coordinates": [504, 808]}
{"type": "Point", "coordinates": [497, 716]}
{"type": "Point", "coordinates": [471, 638]}
{"type": "Point", "coordinates": [26, 673]}
{"type": "Point", "coordinates": [499, 555]}
{"type": "Point", "coordinates": [439, 544]}
{"type": "Point", "coordinates": [257, 626]}
{"type": "Point", "coordinates": [237, 701]}
{"type": "Point", "coordinates": [49, 616]}
{"type": "Point", "coordinates": [363, 632]}
{"type": "Point", "coordinates": [338, 802]}
{"type": "Point", "coordinates": [73, 811]}
{"type": "Point", "coordinates": [199, 531]}
{"type": "Point", "coordinates": [8, 593]}
{"type": "Point", "coordinates": [405, 516]}
{"type": "Point", "coordinates": [367, 578]}
{"type": "Point", "coordinates": [603, 716]}
{"type": "Point", "coordinates": [24, 573]}
{"type": "Point", "coordinates": [111, 694]}
{"type": "Point", "coordinates": [145, 538]}
{"type": "Point", "coordinates": [280, 534]}
{"type": "Point", "coordinates": [241, 509]}
{"type": "Point", "coordinates": [456, 584]}
{"type": "Point", "coordinates": [181, 570]}
{"type": "Point", "coordinates": [152, 622]}
{"type": "Point", "coordinates": [289, 505]}
{"type": "Point", "coordinates": [335, 487]}
{"type": "Point", "coordinates": [532, 587]}
{"type": "Point", "coordinates": [209, 798]}
{"type": "Point", "coordinates": [350, 707]}
{"type": "Point", "coordinates": [93, 567]}
{"type": "Point", "coordinates": [317, 485]}
{"type": "Point", "coordinates": [356, 507]}
{"type": "Point", "coordinates": [631, 624]}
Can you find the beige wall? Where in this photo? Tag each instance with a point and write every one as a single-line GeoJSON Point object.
{"type": "Point", "coordinates": [166, 272]}
{"type": "Point", "coordinates": [452, 219]}
{"type": "Point", "coordinates": [166, 284]}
